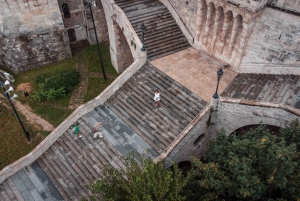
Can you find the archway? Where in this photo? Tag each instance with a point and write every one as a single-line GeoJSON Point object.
{"type": "Point", "coordinates": [66, 11]}
{"type": "Point", "coordinates": [120, 49]}
{"type": "Point", "coordinates": [243, 130]}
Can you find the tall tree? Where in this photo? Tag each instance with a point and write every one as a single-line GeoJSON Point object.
{"type": "Point", "coordinates": [255, 166]}
{"type": "Point", "coordinates": [141, 181]}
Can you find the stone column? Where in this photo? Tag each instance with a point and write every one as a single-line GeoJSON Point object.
{"type": "Point", "coordinates": [216, 29]}
{"type": "Point", "coordinates": [200, 19]}
{"type": "Point", "coordinates": [232, 36]}
{"type": "Point", "coordinates": [223, 34]}
{"type": "Point", "coordinates": [207, 25]}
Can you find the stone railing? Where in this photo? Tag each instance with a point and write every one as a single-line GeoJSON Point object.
{"type": "Point", "coordinates": [81, 110]}
{"type": "Point", "coordinates": [269, 68]}
{"type": "Point", "coordinates": [261, 104]}
{"type": "Point", "coordinates": [179, 21]}
{"type": "Point", "coordinates": [178, 139]}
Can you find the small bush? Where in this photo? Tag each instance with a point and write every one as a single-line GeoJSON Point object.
{"type": "Point", "coordinates": [55, 86]}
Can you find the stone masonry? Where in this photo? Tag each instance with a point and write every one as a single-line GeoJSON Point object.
{"type": "Point", "coordinates": [30, 34]}
{"type": "Point", "coordinates": [275, 39]}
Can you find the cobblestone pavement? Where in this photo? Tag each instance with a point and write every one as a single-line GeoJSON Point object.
{"type": "Point", "coordinates": [194, 71]}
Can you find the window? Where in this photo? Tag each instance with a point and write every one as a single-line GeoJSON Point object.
{"type": "Point", "coordinates": [66, 11]}
{"type": "Point", "coordinates": [72, 35]}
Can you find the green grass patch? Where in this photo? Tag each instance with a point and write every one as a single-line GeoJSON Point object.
{"type": "Point", "coordinates": [13, 143]}
{"type": "Point", "coordinates": [96, 86]}
{"type": "Point", "coordinates": [91, 57]}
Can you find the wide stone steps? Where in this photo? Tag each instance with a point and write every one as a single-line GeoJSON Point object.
{"type": "Point", "coordinates": [30, 183]}
{"type": "Point", "coordinates": [265, 87]}
{"type": "Point", "coordinates": [134, 104]}
{"type": "Point", "coordinates": [162, 35]}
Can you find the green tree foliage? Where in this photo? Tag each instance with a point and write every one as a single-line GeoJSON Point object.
{"type": "Point", "coordinates": [255, 166]}
{"type": "Point", "coordinates": [54, 86]}
{"type": "Point", "coordinates": [141, 181]}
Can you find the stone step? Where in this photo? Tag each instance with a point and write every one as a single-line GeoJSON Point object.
{"type": "Point", "coordinates": [268, 88]}
{"type": "Point", "coordinates": [163, 35]}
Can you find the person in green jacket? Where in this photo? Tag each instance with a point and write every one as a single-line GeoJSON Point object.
{"type": "Point", "coordinates": [76, 131]}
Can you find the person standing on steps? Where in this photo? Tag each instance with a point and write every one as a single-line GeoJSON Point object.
{"type": "Point", "coordinates": [156, 97]}
{"type": "Point", "coordinates": [76, 131]}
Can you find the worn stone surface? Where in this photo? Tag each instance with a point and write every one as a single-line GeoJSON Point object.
{"type": "Point", "coordinates": [195, 71]}
{"type": "Point", "coordinates": [275, 39]}
{"type": "Point", "coordinates": [293, 5]}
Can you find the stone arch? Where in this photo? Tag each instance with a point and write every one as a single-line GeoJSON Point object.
{"type": "Point", "coordinates": [219, 23]}
{"type": "Point", "coordinates": [199, 139]}
{"type": "Point", "coordinates": [121, 56]}
{"type": "Point", "coordinates": [253, 121]}
{"type": "Point", "coordinates": [244, 129]}
{"type": "Point", "coordinates": [65, 10]}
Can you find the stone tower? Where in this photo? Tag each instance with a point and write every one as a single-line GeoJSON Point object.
{"type": "Point", "coordinates": [31, 34]}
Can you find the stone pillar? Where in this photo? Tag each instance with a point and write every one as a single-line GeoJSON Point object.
{"type": "Point", "coordinates": [232, 37]}
{"type": "Point", "coordinates": [207, 25]}
{"type": "Point", "coordinates": [201, 15]}
{"type": "Point", "coordinates": [216, 28]}
{"type": "Point", "coordinates": [223, 34]}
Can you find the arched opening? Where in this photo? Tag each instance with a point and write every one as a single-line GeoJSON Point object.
{"type": "Point", "coordinates": [199, 139]}
{"type": "Point", "coordinates": [229, 16]}
{"type": "Point", "coordinates": [122, 55]}
{"type": "Point", "coordinates": [66, 11]}
{"type": "Point", "coordinates": [243, 130]}
{"type": "Point", "coordinates": [239, 28]}
{"type": "Point", "coordinates": [220, 28]}
{"type": "Point", "coordinates": [185, 166]}
{"type": "Point", "coordinates": [211, 22]}
{"type": "Point", "coordinates": [72, 35]}
{"type": "Point", "coordinates": [203, 14]}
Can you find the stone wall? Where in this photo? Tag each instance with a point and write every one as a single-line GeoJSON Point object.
{"type": "Point", "coordinates": [234, 115]}
{"type": "Point", "coordinates": [31, 34]}
{"type": "Point", "coordinates": [193, 144]}
{"type": "Point", "coordinates": [275, 39]}
{"type": "Point", "coordinates": [293, 5]}
{"type": "Point", "coordinates": [250, 5]}
{"type": "Point", "coordinates": [187, 11]}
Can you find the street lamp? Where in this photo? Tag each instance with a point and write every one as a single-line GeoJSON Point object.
{"type": "Point", "coordinates": [93, 3]}
{"type": "Point", "coordinates": [143, 27]}
{"type": "Point", "coordinates": [10, 99]}
{"type": "Point", "coordinates": [219, 74]}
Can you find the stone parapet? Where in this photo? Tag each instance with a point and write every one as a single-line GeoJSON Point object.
{"type": "Point", "coordinates": [267, 68]}
{"type": "Point", "coordinates": [81, 110]}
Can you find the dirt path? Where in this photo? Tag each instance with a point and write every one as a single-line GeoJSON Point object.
{"type": "Point", "coordinates": [32, 117]}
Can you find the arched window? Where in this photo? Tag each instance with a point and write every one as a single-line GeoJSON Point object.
{"type": "Point", "coordinates": [72, 35]}
{"type": "Point", "coordinates": [66, 11]}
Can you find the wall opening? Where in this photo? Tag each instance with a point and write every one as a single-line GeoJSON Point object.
{"type": "Point", "coordinates": [66, 11]}
{"type": "Point", "coordinates": [199, 139]}
{"type": "Point", "coordinates": [72, 35]}
{"type": "Point", "coordinates": [243, 130]}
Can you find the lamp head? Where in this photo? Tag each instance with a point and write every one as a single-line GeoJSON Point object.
{"type": "Point", "coordinates": [94, 3]}
{"type": "Point", "coordinates": [14, 96]}
{"type": "Point", "coordinates": [143, 27]}
{"type": "Point", "coordinates": [10, 89]}
{"type": "Point", "coordinates": [220, 73]}
{"type": "Point", "coordinates": [6, 83]}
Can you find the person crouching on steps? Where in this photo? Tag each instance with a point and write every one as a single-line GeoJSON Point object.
{"type": "Point", "coordinates": [76, 131]}
{"type": "Point", "coordinates": [156, 98]}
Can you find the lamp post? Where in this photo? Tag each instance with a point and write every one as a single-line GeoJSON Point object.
{"type": "Point", "coordinates": [10, 99]}
{"type": "Point", "coordinates": [219, 74]}
{"type": "Point", "coordinates": [143, 27]}
{"type": "Point", "coordinates": [99, 51]}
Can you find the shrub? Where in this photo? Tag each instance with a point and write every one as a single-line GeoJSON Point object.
{"type": "Point", "coordinates": [55, 86]}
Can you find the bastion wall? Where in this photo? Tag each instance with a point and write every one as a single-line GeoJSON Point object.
{"type": "Point", "coordinates": [31, 34]}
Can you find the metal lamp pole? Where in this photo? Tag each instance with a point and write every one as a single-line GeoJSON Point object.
{"type": "Point", "coordinates": [99, 51]}
{"type": "Point", "coordinates": [143, 27]}
{"type": "Point", "coordinates": [6, 94]}
{"type": "Point", "coordinates": [219, 74]}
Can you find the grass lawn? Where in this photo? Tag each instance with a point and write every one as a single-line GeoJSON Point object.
{"type": "Point", "coordinates": [13, 143]}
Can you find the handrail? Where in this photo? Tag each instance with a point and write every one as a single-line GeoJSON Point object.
{"type": "Point", "coordinates": [183, 133]}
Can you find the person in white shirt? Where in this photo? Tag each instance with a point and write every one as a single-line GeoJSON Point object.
{"type": "Point", "coordinates": [97, 130]}
{"type": "Point", "coordinates": [156, 98]}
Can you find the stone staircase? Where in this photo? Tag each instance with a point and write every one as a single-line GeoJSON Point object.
{"type": "Point", "coordinates": [162, 36]}
{"type": "Point", "coordinates": [265, 87]}
{"type": "Point", "coordinates": [130, 123]}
